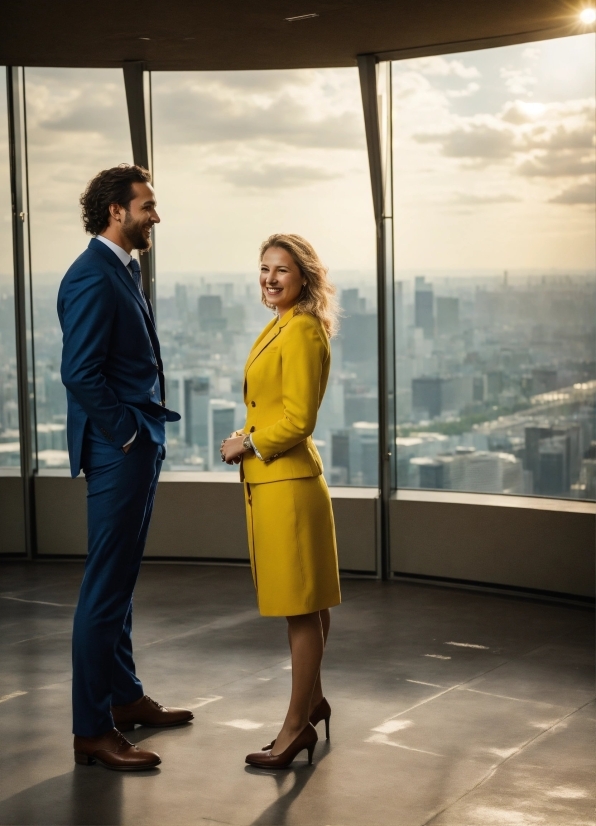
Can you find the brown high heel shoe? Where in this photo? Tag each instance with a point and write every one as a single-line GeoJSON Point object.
{"type": "Point", "coordinates": [307, 739]}
{"type": "Point", "coordinates": [322, 711]}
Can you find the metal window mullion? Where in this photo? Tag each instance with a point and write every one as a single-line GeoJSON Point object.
{"type": "Point", "coordinates": [17, 149]}
{"type": "Point", "coordinates": [139, 135]}
{"type": "Point", "coordinates": [382, 204]}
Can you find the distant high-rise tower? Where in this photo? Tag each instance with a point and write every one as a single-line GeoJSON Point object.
{"type": "Point", "coordinates": [427, 397]}
{"type": "Point", "coordinates": [424, 307]}
{"type": "Point", "coordinates": [447, 316]}
{"type": "Point", "coordinates": [211, 317]}
{"type": "Point", "coordinates": [351, 303]}
{"type": "Point", "coordinates": [399, 314]}
{"type": "Point", "coordinates": [220, 424]}
{"type": "Point", "coordinates": [181, 301]}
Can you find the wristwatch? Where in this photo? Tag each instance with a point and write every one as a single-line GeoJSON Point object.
{"type": "Point", "coordinates": [246, 443]}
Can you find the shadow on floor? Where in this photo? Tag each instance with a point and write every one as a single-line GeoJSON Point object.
{"type": "Point", "coordinates": [71, 798]}
{"type": "Point", "coordinates": [276, 814]}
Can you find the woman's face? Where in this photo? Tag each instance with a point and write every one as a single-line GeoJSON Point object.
{"type": "Point", "coordinates": [281, 280]}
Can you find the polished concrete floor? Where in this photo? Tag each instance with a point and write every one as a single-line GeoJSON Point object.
{"type": "Point", "coordinates": [450, 707]}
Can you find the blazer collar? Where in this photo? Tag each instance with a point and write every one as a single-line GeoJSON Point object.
{"type": "Point", "coordinates": [123, 273]}
{"type": "Point", "coordinates": [270, 332]}
{"type": "Point", "coordinates": [287, 317]}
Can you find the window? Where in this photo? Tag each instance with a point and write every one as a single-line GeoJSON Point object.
{"type": "Point", "coordinates": [495, 293]}
{"type": "Point", "coordinates": [9, 410]}
{"type": "Point", "coordinates": [77, 124]}
{"type": "Point", "coordinates": [239, 156]}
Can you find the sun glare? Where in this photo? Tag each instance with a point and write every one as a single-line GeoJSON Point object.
{"type": "Point", "coordinates": [588, 16]}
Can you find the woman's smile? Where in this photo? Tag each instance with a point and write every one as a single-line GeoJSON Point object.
{"type": "Point", "coordinates": [281, 280]}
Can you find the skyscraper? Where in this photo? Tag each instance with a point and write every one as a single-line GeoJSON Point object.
{"type": "Point", "coordinates": [424, 307]}
{"type": "Point", "coordinates": [219, 426]}
{"type": "Point", "coordinates": [447, 316]}
{"type": "Point", "coordinates": [211, 318]}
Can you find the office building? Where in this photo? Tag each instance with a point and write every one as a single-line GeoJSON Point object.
{"type": "Point", "coordinates": [220, 423]}
{"type": "Point", "coordinates": [424, 307]}
{"type": "Point", "coordinates": [447, 316]}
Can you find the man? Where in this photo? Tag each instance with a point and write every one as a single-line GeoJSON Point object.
{"type": "Point", "coordinates": [113, 374]}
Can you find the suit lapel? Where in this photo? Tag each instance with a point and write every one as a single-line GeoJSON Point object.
{"type": "Point", "coordinates": [261, 343]}
{"type": "Point", "coordinates": [123, 274]}
{"type": "Point", "coordinates": [267, 337]}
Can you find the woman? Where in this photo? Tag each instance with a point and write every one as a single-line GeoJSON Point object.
{"type": "Point", "coordinates": [290, 522]}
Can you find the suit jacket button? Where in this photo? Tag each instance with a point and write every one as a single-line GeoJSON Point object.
{"type": "Point", "coordinates": [252, 430]}
{"type": "Point", "coordinates": [253, 404]}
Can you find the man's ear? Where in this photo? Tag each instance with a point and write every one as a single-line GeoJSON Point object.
{"type": "Point", "coordinates": [115, 212]}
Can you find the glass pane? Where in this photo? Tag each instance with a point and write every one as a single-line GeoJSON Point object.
{"type": "Point", "coordinates": [239, 156]}
{"type": "Point", "coordinates": [495, 244]}
{"type": "Point", "coordinates": [77, 125]}
{"type": "Point", "coordinates": [9, 410]}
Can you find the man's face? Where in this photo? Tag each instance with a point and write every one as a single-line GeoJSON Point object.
{"type": "Point", "coordinates": [139, 218]}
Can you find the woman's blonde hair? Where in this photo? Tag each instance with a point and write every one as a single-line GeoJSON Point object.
{"type": "Point", "coordinates": [318, 295]}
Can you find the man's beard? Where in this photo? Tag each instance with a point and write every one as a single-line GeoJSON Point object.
{"type": "Point", "coordinates": [134, 232]}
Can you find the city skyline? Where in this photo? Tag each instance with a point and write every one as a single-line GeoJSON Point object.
{"type": "Point", "coordinates": [495, 289]}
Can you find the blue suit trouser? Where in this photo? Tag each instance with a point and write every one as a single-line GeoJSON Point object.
{"type": "Point", "coordinates": [120, 494]}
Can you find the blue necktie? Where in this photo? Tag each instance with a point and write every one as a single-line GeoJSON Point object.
{"type": "Point", "coordinates": [136, 274]}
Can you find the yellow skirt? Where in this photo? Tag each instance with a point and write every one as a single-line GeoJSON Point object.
{"type": "Point", "coordinates": [293, 554]}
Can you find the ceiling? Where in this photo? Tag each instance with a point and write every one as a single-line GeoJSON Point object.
{"type": "Point", "coordinates": [235, 34]}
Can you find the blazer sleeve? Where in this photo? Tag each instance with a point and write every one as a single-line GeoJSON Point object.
{"type": "Point", "coordinates": [86, 308]}
{"type": "Point", "coordinates": [304, 351]}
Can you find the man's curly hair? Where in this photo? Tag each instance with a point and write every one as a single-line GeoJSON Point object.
{"type": "Point", "coordinates": [112, 186]}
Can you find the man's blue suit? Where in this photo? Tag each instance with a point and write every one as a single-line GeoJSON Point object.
{"type": "Point", "coordinates": [112, 370]}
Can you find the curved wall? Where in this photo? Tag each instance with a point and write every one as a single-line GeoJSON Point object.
{"type": "Point", "coordinates": [517, 542]}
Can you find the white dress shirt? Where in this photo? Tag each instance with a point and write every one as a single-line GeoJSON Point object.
{"type": "Point", "coordinates": [126, 258]}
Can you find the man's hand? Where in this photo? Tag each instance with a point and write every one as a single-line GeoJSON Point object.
{"type": "Point", "coordinates": [126, 448]}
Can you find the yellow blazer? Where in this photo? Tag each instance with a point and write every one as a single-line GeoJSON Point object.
{"type": "Point", "coordinates": [284, 383]}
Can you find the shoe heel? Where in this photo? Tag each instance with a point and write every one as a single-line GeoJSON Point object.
{"type": "Point", "coordinates": [125, 726]}
{"type": "Point", "coordinates": [311, 751]}
{"type": "Point", "coordinates": [84, 759]}
{"type": "Point", "coordinates": [327, 719]}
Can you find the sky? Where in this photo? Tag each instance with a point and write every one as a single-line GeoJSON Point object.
{"type": "Point", "coordinates": [493, 159]}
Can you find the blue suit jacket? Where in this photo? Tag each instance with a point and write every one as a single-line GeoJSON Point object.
{"type": "Point", "coordinates": [111, 359]}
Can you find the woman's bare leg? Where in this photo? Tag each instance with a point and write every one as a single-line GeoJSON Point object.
{"type": "Point", "coordinates": [317, 694]}
{"type": "Point", "coordinates": [306, 645]}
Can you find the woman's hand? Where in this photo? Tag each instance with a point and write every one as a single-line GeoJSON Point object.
{"type": "Point", "coordinates": [232, 449]}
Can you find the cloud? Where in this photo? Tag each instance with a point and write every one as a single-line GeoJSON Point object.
{"type": "Point", "coordinates": [218, 110]}
{"type": "Point", "coordinates": [269, 176]}
{"type": "Point", "coordinates": [56, 102]}
{"type": "Point", "coordinates": [473, 138]}
{"type": "Point", "coordinates": [518, 81]}
{"type": "Point", "coordinates": [557, 165]}
{"type": "Point", "coordinates": [532, 53]}
{"type": "Point", "coordinates": [537, 140]}
{"type": "Point", "coordinates": [469, 198]}
{"type": "Point", "coordinates": [469, 90]}
{"type": "Point", "coordinates": [88, 117]}
{"type": "Point", "coordinates": [441, 67]}
{"type": "Point", "coordinates": [582, 193]}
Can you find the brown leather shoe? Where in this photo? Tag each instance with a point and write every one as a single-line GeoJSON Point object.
{"type": "Point", "coordinates": [307, 739]}
{"type": "Point", "coordinates": [113, 751]}
{"type": "Point", "coordinates": [322, 711]}
{"type": "Point", "coordinates": [147, 712]}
